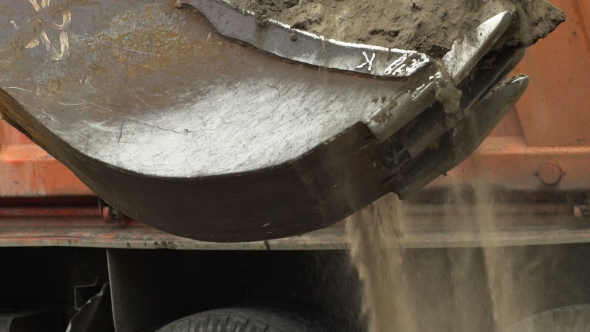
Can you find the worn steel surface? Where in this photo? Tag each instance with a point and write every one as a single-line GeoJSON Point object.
{"type": "Point", "coordinates": [165, 119]}
{"type": "Point", "coordinates": [126, 110]}
{"type": "Point", "coordinates": [157, 74]}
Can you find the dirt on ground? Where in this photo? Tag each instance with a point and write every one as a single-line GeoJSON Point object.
{"type": "Point", "coordinates": [429, 26]}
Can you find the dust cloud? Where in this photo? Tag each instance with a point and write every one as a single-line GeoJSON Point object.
{"type": "Point", "coordinates": [450, 289]}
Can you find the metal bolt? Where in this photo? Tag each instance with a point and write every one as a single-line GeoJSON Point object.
{"type": "Point", "coordinates": [549, 172]}
{"type": "Point", "coordinates": [112, 216]}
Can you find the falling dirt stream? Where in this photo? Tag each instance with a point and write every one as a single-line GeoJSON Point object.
{"type": "Point", "coordinates": [487, 288]}
{"type": "Point", "coordinates": [372, 235]}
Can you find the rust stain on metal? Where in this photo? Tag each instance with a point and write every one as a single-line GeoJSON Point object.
{"type": "Point", "coordinates": [514, 228]}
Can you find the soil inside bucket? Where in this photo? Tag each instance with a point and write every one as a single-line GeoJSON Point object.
{"type": "Point", "coordinates": [428, 26]}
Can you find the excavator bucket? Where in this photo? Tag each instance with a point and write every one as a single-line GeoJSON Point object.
{"type": "Point", "coordinates": [203, 120]}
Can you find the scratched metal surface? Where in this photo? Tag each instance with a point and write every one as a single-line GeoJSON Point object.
{"type": "Point", "coordinates": [291, 43]}
{"type": "Point", "coordinates": [154, 89]}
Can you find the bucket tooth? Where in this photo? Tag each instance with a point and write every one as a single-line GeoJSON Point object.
{"type": "Point", "coordinates": [474, 89]}
{"type": "Point", "coordinates": [465, 138]}
{"type": "Point", "coordinates": [466, 52]}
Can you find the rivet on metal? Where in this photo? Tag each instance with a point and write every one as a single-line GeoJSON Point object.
{"type": "Point", "coordinates": [549, 172]}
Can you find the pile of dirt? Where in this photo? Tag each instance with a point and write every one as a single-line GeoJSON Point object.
{"type": "Point", "coordinates": [428, 26]}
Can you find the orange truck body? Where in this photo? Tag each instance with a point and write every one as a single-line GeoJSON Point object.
{"type": "Point", "coordinates": [551, 123]}
{"type": "Point", "coordinates": [542, 145]}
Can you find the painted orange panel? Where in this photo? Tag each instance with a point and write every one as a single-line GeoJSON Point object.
{"type": "Point", "coordinates": [510, 163]}
{"type": "Point", "coordinates": [509, 126]}
{"type": "Point", "coordinates": [26, 170]}
{"type": "Point", "coordinates": [555, 110]}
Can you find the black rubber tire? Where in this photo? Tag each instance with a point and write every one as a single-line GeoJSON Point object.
{"type": "Point", "coordinates": [242, 320]}
{"type": "Point", "coordinates": [566, 319]}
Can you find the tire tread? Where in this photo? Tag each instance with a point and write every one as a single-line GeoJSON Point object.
{"type": "Point", "coordinates": [242, 320]}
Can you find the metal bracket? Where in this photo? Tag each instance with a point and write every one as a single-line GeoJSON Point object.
{"type": "Point", "coordinates": [580, 204]}
{"type": "Point", "coordinates": [110, 215]}
{"type": "Point", "coordinates": [95, 309]}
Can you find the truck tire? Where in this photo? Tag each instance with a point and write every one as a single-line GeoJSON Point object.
{"type": "Point", "coordinates": [566, 319]}
{"type": "Point", "coordinates": [241, 320]}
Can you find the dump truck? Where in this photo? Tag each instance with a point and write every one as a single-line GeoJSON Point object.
{"type": "Point", "coordinates": [239, 136]}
